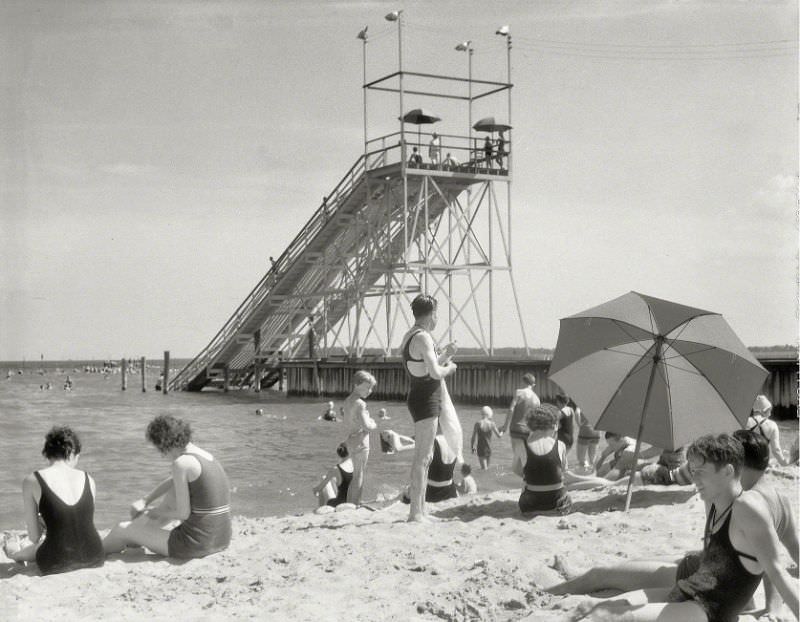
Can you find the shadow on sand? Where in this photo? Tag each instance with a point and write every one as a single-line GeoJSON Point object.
{"type": "Point", "coordinates": [608, 503]}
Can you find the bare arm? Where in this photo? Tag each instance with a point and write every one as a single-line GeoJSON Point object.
{"type": "Point", "coordinates": [775, 445]}
{"type": "Point", "coordinates": [429, 356]}
{"type": "Point", "coordinates": [507, 422]}
{"type": "Point", "coordinates": [496, 431]}
{"type": "Point", "coordinates": [30, 492]}
{"type": "Point", "coordinates": [362, 416]}
{"type": "Point", "coordinates": [755, 525]}
{"type": "Point", "coordinates": [181, 469]}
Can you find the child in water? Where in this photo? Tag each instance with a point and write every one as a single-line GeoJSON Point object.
{"type": "Point", "coordinates": [358, 423]}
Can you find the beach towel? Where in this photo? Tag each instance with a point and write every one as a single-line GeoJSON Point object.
{"type": "Point", "coordinates": [450, 424]}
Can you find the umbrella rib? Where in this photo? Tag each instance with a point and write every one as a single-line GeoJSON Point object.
{"type": "Point", "coordinates": [637, 355]}
{"type": "Point", "coordinates": [679, 355]}
{"type": "Point", "coordinates": [683, 328]}
{"type": "Point", "coordinates": [633, 339]}
{"type": "Point", "coordinates": [627, 377]}
{"type": "Point", "coordinates": [713, 386]}
{"type": "Point", "coordinates": [688, 371]}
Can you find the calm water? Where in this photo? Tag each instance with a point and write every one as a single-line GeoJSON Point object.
{"type": "Point", "coordinates": [273, 460]}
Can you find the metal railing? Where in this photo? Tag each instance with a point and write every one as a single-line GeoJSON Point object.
{"type": "Point", "coordinates": [454, 153]}
{"type": "Point", "coordinates": [297, 246]}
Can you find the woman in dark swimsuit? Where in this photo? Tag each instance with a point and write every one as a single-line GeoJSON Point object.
{"type": "Point", "coordinates": [64, 496]}
{"type": "Point", "coordinates": [341, 475]}
{"type": "Point", "coordinates": [440, 474]}
{"type": "Point", "coordinates": [197, 496]}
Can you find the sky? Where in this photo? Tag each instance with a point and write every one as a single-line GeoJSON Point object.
{"type": "Point", "coordinates": [153, 155]}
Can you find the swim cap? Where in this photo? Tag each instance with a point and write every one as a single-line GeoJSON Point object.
{"type": "Point", "coordinates": [762, 404]}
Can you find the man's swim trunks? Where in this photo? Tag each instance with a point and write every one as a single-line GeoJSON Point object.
{"type": "Point", "coordinates": [424, 393]}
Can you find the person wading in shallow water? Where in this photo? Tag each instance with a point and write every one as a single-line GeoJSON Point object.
{"type": "Point", "coordinates": [425, 373]}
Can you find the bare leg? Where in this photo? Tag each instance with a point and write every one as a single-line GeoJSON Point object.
{"type": "Point", "coordinates": [581, 454]}
{"type": "Point", "coordinates": [639, 606]}
{"type": "Point", "coordinates": [359, 459]}
{"type": "Point", "coordinates": [484, 462]}
{"type": "Point", "coordinates": [326, 494]}
{"type": "Point", "coordinates": [592, 453]}
{"type": "Point", "coordinates": [425, 433]}
{"type": "Point", "coordinates": [20, 553]}
{"type": "Point", "coordinates": [632, 575]}
{"type": "Point", "coordinates": [141, 531]}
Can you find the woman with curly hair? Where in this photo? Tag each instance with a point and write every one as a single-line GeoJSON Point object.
{"type": "Point", "coordinates": [197, 495]}
{"type": "Point", "coordinates": [544, 469]}
{"type": "Point", "coordinates": [64, 497]}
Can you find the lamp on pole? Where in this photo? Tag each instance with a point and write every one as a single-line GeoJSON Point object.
{"type": "Point", "coordinates": [363, 36]}
{"type": "Point", "coordinates": [397, 16]}
{"type": "Point", "coordinates": [505, 31]}
{"type": "Point", "coordinates": [466, 46]}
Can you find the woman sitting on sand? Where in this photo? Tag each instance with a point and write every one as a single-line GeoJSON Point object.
{"type": "Point", "coordinates": [546, 463]}
{"type": "Point", "coordinates": [332, 490]}
{"type": "Point", "coordinates": [759, 421]}
{"type": "Point", "coordinates": [64, 496]}
{"type": "Point", "coordinates": [197, 494]}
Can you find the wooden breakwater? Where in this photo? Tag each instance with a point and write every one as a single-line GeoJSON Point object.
{"type": "Point", "coordinates": [490, 382]}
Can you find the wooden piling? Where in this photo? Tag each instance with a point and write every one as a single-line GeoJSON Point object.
{"type": "Point", "coordinates": [124, 374]}
{"type": "Point", "coordinates": [257, 361]}
{"type": "Point", "coordinates": [226, 379]}
{"type": "Point", "coordinates": [165, 384]}
{"type": "Point", "coordinates": [143, 363]}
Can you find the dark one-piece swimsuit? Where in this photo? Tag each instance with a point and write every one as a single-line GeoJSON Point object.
{"type": "Point", "coordinates": [72, 542]}
{"type": "Point", "coordinates": [721, 585]}
{"type": "Point", "coordinates": [341, 493]}
{"type": "Point", "coordinates": [424, 392]}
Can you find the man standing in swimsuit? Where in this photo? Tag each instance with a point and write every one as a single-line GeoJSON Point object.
{"type": "Point", "coordinates": [740, 545]}
{"type": "Point", "coordinates": [425, 373]}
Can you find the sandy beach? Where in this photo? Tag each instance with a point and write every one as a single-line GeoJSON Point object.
{"type": "Point", "coordinates": [481, 561]}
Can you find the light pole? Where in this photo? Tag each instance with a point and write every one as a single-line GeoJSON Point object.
{"type": "Point", "coordinates": [397, 16]}
{"type": "Point", "coordinates": [505, 31]}
{"type": "Point", "coordinates": [466, 46]}
{"type": "Point", "coordinates": [363, 36]}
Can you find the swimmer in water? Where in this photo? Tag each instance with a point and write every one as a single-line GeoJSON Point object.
{"type": "Point", "coordinates": [392, 442]}
{"type": "Point", "coordinates": [329, 414]}
{"type": "Point", "coordinates": [382, 415]}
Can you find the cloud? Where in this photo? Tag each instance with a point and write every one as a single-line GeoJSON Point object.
{"type": "Point", "coordinates": [779, 194]}
{"type": "Point", "coordinates": [127, 169]}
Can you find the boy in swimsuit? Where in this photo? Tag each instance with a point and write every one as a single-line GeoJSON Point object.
{"type": "Point", "coordinates": [425, 372]}
{"type": "Point", "coordinates": [740, 544]}
{"type": "Point", "coordinates": [358, 423]}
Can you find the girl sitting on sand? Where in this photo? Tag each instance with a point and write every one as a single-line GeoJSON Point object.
{"type": "Point", "coordinates": [64, 496]}
{"type": "Point", "coordinates": [197, 495]}
{"type": "Point", "coordinates": [544, 491]}
{"type": "Point", "coordinates": [332, 490]}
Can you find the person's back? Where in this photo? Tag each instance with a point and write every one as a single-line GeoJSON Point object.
{"type": "Point", "coordinates": [545, 464]}
{"type": "Point", "coordinates": [208, 528]}
{"type": "Point", "coordinates": [66, 505]}
{"type": "Point", "coordinates": [440, 473]}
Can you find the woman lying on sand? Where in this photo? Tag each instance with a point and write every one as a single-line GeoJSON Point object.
{"type": "Point", "coordinates": [197, 494]}
{"type": "Point", "coordinates": [64, 496]}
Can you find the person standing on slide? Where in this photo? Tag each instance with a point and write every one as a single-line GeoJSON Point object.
{"type": "Point", "coordinates": [425, 373]}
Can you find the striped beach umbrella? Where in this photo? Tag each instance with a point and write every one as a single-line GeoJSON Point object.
{"type": "Point", "coordinates": [662, 372]}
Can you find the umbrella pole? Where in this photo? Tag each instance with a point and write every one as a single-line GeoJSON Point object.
{"type": "Point", "coordinates": [656, 359]}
